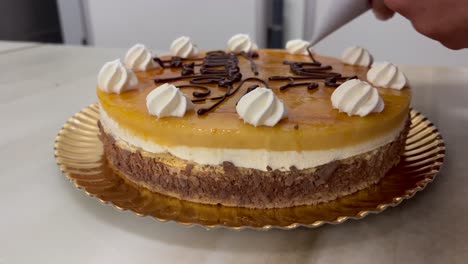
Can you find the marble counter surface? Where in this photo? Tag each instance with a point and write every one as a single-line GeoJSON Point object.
{"type": "Point", "coordinates": [14, 46]}
{"type": "Point", "coordinates": [44, 219]}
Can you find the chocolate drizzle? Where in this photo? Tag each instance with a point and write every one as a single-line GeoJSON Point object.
{"type": "Point", "coordinates": [310, 71]}
{"type": "Point", "coordinates": [250, 79]}
{"type": "Point", "coordinates": [338, 80]}
{"type": "Point", "coordinates": [217, 67]}
{"type": "Point", "coordinates": [188, 69]}
{"type": "Point", "coordinates": [249, 57]}
{"type": "Point", "coordinates": [222, 69]}
{"type": "Point", "coordinates": [229, 92]}
{"type": "Point", "coordinates": [174, 61]}
{"type": "Point", "coordinates": [311, 55]}
{"type": "Point", "coordinates": [292, 82]}
{"type": "Point", "coordinates": [313, 69]}
{"type": "Point", "coordinates": [203, 111]}
{"type": "Point", "coordinates": [159, 61]}
{"type": "Point", "coordinates": [205, 93]}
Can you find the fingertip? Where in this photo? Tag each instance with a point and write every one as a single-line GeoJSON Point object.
{"type": "Point", "coordinates": [383, 16]}
{"type": "Point", "coordinates": [454, 45]}
{"type": "Point", "coordinates": [381, 11]}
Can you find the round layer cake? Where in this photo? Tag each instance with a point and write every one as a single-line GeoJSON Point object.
{"type": "Point", "coordinates": [212, 154]}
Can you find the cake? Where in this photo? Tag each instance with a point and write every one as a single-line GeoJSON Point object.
{"type": "Point", "coordinates": [249, 127]}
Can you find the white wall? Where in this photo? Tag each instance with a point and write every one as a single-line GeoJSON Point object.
{"type": "Point", "coordinates": [394, 40]}
{"type": "Point", "coordinates": [122, 23]}
{"type": "Point", "coordinates": [293, 19]}
{"type": "Point", "coordinates": [210, 23]}
{"type": "Point", "coordinates": [72, 21]}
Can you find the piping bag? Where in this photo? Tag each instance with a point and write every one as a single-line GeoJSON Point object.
{"type": "Point", "coordinates": [323, 17]}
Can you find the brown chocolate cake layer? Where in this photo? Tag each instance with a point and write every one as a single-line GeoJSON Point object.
{"type": "Point", "coordinates": [231, 186]}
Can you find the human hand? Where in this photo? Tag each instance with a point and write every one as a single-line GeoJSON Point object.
{"type": "Point", "coordinates": [443, 20]}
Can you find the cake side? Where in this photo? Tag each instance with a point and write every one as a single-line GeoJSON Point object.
{"type": "Point", "coordinates": [260, 159]}
{"type": "Point", "coordinates": [229, 185]}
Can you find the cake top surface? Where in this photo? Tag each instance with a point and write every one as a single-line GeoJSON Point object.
{"type": "Point", "coordinates": [304, 84]}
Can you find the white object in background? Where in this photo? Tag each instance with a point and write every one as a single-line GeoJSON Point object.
{"type": "Point", "coordinates": [322, 17]}
{"type": "Point", "coordinates": [72, 21]}
{"type": "Point", "coordinates": [197, 18]}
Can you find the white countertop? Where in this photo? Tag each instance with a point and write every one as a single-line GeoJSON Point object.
{"type": "Point", "coordinates": [13, 46]}
{"type": "Point", "coordinates": [45, 219]}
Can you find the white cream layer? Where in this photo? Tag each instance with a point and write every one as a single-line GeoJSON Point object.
{"type": "Point", "coordinates": [258, 159]}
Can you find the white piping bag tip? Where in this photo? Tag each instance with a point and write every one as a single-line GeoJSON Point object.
{"type": "Point", "coordinates": [323, 17]}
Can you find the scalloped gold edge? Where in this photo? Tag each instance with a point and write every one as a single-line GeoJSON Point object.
{"type": "Point", "coordinates": [420, 185]}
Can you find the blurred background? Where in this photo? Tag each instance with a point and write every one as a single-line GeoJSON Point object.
{"type": "Point", "coordinates": [210, 23]}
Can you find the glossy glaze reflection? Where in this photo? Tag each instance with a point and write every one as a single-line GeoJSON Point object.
{"type": "Point", "coordinates": [319, 125]}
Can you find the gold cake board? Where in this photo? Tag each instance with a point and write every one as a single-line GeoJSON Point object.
{"type": "Point", "coordinates": [79, 154]}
